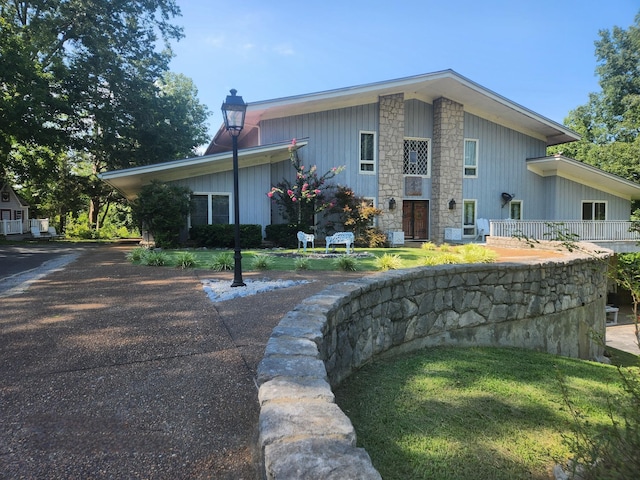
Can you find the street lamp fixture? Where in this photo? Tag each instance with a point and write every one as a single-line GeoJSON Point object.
{"type": "Point", "coordinates": [233, 112]}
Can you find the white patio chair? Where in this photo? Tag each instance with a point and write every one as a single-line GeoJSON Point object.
{"type": "Point", "coordinates": [35, 233]}
{"type": "Point", "coordinates": [304, 239]}
{"type": "Point", "coordinates": [482, 228]}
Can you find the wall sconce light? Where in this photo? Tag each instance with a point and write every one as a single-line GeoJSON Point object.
{"type": "Point", "coordinates": [452, 204]}
{"type": "Point", "coordinates": [392, 203]}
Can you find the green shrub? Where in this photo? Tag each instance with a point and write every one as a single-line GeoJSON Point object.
{"type": "Point", "coordinates": [155, 258]}
{"type": "Point", "coordinates": [282, 235]}
{"type": "Point", "coordinates": [371, 238]}
{"type": "Point", "coordinates": [346, 263]}
{"type": "Point", "coordinates": [445, 247]}
{"type": "Point", "coordinates": [428, 246]}
{"type": "Point", "coordinates": [261, 262]}
{"type": "Point", "coordinates": [186, 260]}
{"type": "Point", "coordinates": [611, 451]}
{"type": "Point", "coordinates": [223, 235]}
{"type": "Point", "coordinates": [223, 261]}
{"type": "Point", "coordinates": [431, 260]}
{"type": "Point", "coordinates": [388, 262]}
{"type": "Point", "coordinates": [163, 209]}
{"type": "Point", "coordinates": [301, 263]}
{"type": "Point", "coordinates": [137, 254]}
{"type": "Point", "coordinates": [445, 258]}
{"type": "Point", "coordinates": [474, 253]}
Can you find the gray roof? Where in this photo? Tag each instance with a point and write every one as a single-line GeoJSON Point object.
{"type": "Point", "coordinates": [475, 98]}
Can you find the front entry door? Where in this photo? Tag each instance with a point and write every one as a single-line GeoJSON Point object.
{"type": "Point", "coordinates": [415, 219]}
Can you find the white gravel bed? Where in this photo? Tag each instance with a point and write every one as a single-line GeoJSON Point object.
{"type": "Point", "coordinates": [221, 290]}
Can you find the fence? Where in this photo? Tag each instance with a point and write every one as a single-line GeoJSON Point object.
{"type": "Point", "coordinates": [589, 231]}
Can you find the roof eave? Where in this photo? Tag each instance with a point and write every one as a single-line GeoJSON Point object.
{"type": "Point", "coordinates": [129, 181]}
{"type": "Point", "coordinates": [585, 174]}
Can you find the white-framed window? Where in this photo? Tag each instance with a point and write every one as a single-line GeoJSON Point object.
{"type": "Point", "coordinates": [371, 201]}
{"type": "Point", "coordinates": [417, 157]}
{"type": "Point", "coordinates": [210, 208]}
{"type": "Point", "coordinates": [515, 210]}
{"type": "Point", "coordinates": [594, 210]}
{"type": "Point", "coordinates": [367, 153]}
{"type": "Point", "coordinates": [469, 218]}
{"type": "Point", "coordinates": [470, 157]}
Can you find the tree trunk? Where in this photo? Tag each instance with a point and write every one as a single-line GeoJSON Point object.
{"type": "Point", "coordinates": [106, 211]}
{"type": "Point", "coordinates": [94, 210]}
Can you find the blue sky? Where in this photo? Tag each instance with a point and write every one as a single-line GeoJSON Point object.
{"type": "Point", "coordinates": [539, 53]}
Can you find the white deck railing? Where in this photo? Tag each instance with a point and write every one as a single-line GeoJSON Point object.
{"type": "Point", "coordinates": [599, 230]}
{"type": "Point", "coordinates": [10, 227]}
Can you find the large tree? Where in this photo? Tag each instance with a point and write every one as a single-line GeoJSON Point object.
{"type": "Point", "coordinates": [610, 122]}
{"type": "Point", "coordinates": [89, 79]}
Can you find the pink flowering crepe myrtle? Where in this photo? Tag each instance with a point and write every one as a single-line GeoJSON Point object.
{"type": "Point", "coordinates": [307, 188]}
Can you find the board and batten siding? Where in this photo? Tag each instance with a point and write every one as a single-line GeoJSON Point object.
{"type": "Point", "coordinates": [565, 197]}
{"type": "Point", "coordinates": [502, 167]}
{"type": "Point", "coordinates": [333, 138]}
{"type": "Point", "coordinates": [253, 185]}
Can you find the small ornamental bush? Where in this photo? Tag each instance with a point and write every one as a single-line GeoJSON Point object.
{"type": "Point", "coordinates": [428, 246]}
{"type": "Point", "coordinates": [155, 259]}
{"type": "Point", "coordinates": [261, 262]}
{"type": "Point", "coordinates": [445, 247]}
{"type": "Point", "coordinates": [137, 254]}
{"type": "Point", "coordinates": [186, 260]}
{"type": "Point", "coordinates": [301, 263]}
{"type": "Point", "coordinates": [388, 262]}
{"type": "Point", "coordinates": [446, 258]}
{"type": "Point", "coordinates": [346, 263]}
{"type": "Point", "coordinates": [473, 253]}
{"type": "Point", "coordinates": [223, 261]}
{"type": "Point", "coordinates": [431, 261]}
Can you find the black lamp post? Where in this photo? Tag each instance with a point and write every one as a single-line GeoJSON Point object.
{"type": "Point", "coordinates": [233, 111]}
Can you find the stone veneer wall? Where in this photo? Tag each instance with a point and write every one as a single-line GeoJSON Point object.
{"type": "Point", "coordinates": [446, 166]}
{"type": "Point", "coordinates": [551, 306]}
{"type": "Point", "coordinates": [390, 160]}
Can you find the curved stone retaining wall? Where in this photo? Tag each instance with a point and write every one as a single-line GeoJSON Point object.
{"type": "Point", "coordinates": [551, 306]}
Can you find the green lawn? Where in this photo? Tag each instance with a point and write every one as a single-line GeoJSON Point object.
{"type": "Point", "coordinates": [476, 413]}
{"type": "Point", "coordinates": [366, 260]}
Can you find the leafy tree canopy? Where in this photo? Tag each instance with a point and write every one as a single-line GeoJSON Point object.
{"type": "Point", "coordinates": [610, 122]}
{"type": "Point", "coordinates": [88, 80]}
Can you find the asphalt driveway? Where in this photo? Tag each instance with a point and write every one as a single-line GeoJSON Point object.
{"type": "Point", "coordinates": [21, 264]}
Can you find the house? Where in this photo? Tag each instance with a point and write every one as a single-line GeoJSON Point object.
{"type": "Point", "coordinates": [14, 212]}
{"type": "Point", "coordinates": [436, 152]}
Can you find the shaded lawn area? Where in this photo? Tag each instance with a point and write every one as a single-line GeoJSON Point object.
{"type": "Point", "coordinates": [480, 413]}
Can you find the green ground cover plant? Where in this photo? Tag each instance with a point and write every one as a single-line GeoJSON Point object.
{"type": "Point", "coordinates": [481, 413]}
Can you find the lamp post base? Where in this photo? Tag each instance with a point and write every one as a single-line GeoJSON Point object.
{"type": "Point", "coordinates": [237, 269]}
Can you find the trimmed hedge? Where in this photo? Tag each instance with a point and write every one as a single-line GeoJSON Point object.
{"type": "Point", "coordinates": [223, 236]}
{"type": "Point", "coordinates": [282, 235]}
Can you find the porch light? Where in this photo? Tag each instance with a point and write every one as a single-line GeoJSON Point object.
{"type": "Point", "coordinates": [392, 203]}
{"type": "Point", "coordinates": [452, 204]}
{"type": "Point", "coordinates": [233, 111]}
